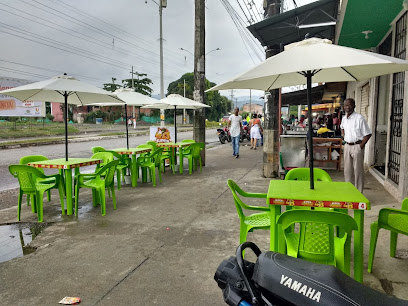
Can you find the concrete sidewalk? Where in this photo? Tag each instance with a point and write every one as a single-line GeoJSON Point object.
{"type": "Point", "coordinates": [163, 244]}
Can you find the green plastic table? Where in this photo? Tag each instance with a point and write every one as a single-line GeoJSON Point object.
{"type": "Point", "coordinates": [175, 145]}
{"type": "Point", "coordinates": [66, 167]}
{"type": "Point", "coordinates": [133, 152]}
{"type": "Point", "coordinates": [339, 195]}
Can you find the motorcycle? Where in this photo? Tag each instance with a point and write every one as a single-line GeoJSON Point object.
{"type": "Point", "coordinates": [224, 135]}
{"type": "Point", "coordinates": [246, 133]}
{"type": "Point", "coordinates": [277, 279]}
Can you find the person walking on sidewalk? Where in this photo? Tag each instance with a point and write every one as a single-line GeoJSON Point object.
{"type": "Point", "coordinates": [235, 122]}
{"type": "Point", "coordinates": [356, 133]}
{"type": "Point", "coordinates": [256, 130]}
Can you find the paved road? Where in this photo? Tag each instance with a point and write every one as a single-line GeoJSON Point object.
{"type": "Point", "coordinates": [79, 149]}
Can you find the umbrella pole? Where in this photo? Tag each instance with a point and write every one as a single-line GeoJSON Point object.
{"type": "Point", "coordinates": [127, 129]}
{"type": "Point", "coordinates": [66, 124]}
{"type": "Point", "coordinates": [175, 136]}
{"type": "Point", "coordinates": [175, 124]}
{"type": "Point", "coordinates": [309, 75]}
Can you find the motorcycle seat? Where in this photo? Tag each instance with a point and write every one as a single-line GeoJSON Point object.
{"type": "Point", "coordinates": [306, 283]}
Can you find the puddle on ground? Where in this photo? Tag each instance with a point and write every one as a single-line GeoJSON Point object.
{"type": "Point", "coordinates": [14, 239]}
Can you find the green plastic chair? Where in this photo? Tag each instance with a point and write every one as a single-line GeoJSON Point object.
{"type": "Point", "coordinates": [35, 158]}
{"type": "Point", "coordinates": [97, 149]}
{"type": "Point", "coordinates": [100, 180]}
{"type": "Point", "coordinates": [34, 183]}
{"type": "Point", "coordinates": [188, 140]}
{"type": "Point", "coordinates": [152, 143]}
{"type": "Point", "coordinates": [255, 221]}
{"type": "Point", "coordinates": [316, 240]}
{"type": "Point", "coordinates": [394, 220]}
{"type": "Point", "coordinates": [124, 163]}
{"type": "Point", "coordinates": [192, 153]}
{"type": "Point", "coordinates": [303, 174]}
{"type": "Point", "coordinates": [151, 162]}
{"type": "Point", "coordinates": [106, 157]}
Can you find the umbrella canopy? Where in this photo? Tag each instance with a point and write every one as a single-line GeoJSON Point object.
{"type": "Point", "coordinates": [331, 63]}
{"type": "Point", "coordinates": [63, 89]}
{"type": "Point", "coordinates": [130, 97]}
{"type": "Point", "coordinates": [175, 101]}
{"type": "Point", "coordinates": [316, 60]}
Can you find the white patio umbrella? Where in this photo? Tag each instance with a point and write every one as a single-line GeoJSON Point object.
{"type": "Point", "coordinates": [316, 60]}
{"type": "Point", "coordinates": [129, 97]}
{"type": "Point", "coordinates": [175, 101]}
{"type": "Point", "coordinates": [62, 89]}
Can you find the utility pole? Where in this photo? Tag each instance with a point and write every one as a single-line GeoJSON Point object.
{"type": "Point", "coordinates": [133, 87]}
{"type": "Point", "coordinates": [161, 59]}
{"type": "Point", "coordinates": [184, 110]}
{"type": "Point", "coordinates": [250, 101]}
{"type": "Point", "coordinates": [199, 73]}
{"type": "Point", "coordinates": [232, 101]}
{"type": "Point", "coordinates": [272, 111]}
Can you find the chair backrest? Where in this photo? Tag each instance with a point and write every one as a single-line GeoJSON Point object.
{"type": "Point", "coordinates": [33, 158]}
{"type": "Point", "coordinates": [105, 156]}
{"type": "Point", "coordinates": [97, 149]}
{"type": "Point", "coordinates": [238, 202]}
{"type": "Point", "coordinates": [316, 232]}
{"type": "Point", "coordinates": [196, 148]}
{"type": "Point", "coordinates": [108, 171]}
{"type": "Point", "coordinates": [26, 176]}
{"type": "Point", "coordinates": [404, 205]}
{"type": "Point", "coordinates": [156, 155]}
{"type": "Point", "coordinates": [188, 140]}
{"type": "Point", "coordinates": [152, 143]}
{"type": "Point", "coordinates": [145, 146]}
{"type": "Point", "coordinates": [303, 174]}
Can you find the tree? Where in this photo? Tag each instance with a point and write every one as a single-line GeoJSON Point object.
{"type": "Point", "coordinates": [220, 105]}
{"type": "Point", "coordinates": [111, 86]}
{"type": "Point", "coordinates": [141, 84]}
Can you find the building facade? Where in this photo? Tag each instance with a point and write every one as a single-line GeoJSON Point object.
{"type": "Point", "coordinates": [381, 100]}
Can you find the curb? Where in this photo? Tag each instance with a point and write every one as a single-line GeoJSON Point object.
{"type": "Point", "coordinates": [72, 140]}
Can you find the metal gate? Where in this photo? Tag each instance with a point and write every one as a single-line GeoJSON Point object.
{"type": "Point", "coordinates": [397, 102]}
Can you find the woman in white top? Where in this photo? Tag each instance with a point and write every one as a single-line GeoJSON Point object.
{"type": "Point", "coordinates": [256, 129]}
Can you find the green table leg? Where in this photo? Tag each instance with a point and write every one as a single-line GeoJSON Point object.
{"type": "Point", "coordinates": [181, 160]}
{"type": "Point", "coordinates": [274, 240]}
{"type": "Point", "coordinates": [133, 173]}
{"type": "Point", "coordinates": [359, 245]}
{"type": "Point", "coordinates": [68, 190]}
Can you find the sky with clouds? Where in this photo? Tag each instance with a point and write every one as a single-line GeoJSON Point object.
{"type": "Point", "coordinates": [96, 40]}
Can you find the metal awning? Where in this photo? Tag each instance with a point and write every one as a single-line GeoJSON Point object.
{"type": "Point", "coordinates": [317, 19]}
{"type": "Point", "coordinates": [364, 23]}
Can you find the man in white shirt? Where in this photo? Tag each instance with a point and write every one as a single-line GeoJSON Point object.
{"type": "Point", "coordinates": [356, 133]}
{"type": "Point", "coordinates": [235, 122]}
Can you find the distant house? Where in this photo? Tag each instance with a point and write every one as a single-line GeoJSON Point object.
{"type": "Point", "coordinates": [252, 108]}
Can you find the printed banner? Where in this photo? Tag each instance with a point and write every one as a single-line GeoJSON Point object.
{"type": "Point", "coordinates": [12, 107]}
{"type": "Point", "coordinates": [162, 134]}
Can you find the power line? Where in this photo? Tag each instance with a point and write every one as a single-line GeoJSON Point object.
{"type": "Point", "coordinates": [87, 38]}
{"type": "Point", "coordinates": [79, 22]}
{"type": "Point", "coordinates": [110, 25]}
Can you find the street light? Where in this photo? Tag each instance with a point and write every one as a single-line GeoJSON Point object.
{"type": "Point", "coordinates": [213, 51]}
{"type": "Point", "coordinates": [205, 54]}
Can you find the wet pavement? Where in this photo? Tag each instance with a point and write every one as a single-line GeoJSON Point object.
{"type": "Point", "coordinates": [15, 239]}
{"type": "Point", "coordinates": [162, 244]}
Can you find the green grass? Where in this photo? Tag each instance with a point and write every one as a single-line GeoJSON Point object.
{"type": "Point", "coordinates": [30, 141]}
{"type": "Point", "coordinates": [36, 132]}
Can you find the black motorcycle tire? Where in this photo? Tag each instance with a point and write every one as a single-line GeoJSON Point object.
{"type": "Point", "coordinates": [222, 139]}
{"type": "Point", "coordinates": [248, 137]}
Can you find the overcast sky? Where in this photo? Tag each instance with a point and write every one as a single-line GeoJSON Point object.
{"type": "Point", "coordinates": [96, 40]}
